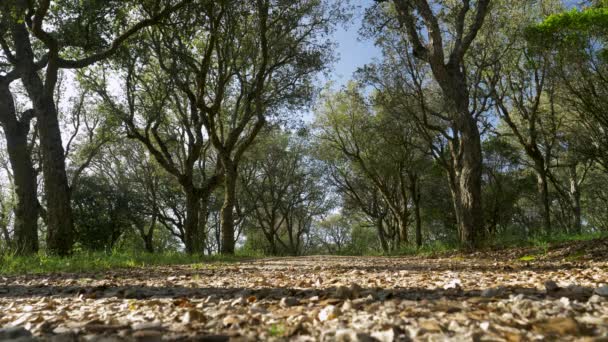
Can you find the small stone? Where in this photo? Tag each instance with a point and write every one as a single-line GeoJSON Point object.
{"type": "Point", "coordinates": [595, 299]}
{"type": "Point", "coordinates": [430, 325]}
{"type": "Point", "coordinates": [493, 292]}
{"type": "Point", "coordinates": [239, 302]}
{"type": "Point", "coordinates": [485, 326]}
{"type": "Point", "coordinates": [287, 302]}
{"type": "Point", "coordinates": [384, 336]}
{"type": "Point", "coordinates": [328, 313]}
{"type": "Point", "coordinates": [231, 320]}
{"type": "Point", "coordinates": [355, 290]}
{"type": "Point", "coordinates": [14, 333]}
{"type": "Point", "coordinates": [454, 284]}
{"type": "Point", "coordinates": [602, 291]}
{"type": "Point", "coordinates": [343, 292]}
{"type": "Point", "coordinates": [193, 316]}
{"type": "Point", "coordinates": [551, 286]}
{"type": "Point", "coordinates": [347, 306]}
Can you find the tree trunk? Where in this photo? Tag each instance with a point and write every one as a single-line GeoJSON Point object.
{"type": "Point", "coordinates": [227, 220]}
{"type": "Point", "coordinates": [575, 199]}
{"type": "Point", "coordinates": [60, 230]}
{"type": "Point", "coordinates": [381, 237]}
{"type": "Point", "coordinates": [60, 225]}
{"type": "Point", "coordinates": [415, 193]}
{"type": "Point", "coordinates": [203, 218]}
{"type": "Point", "coordinates": [193, 235]}
{"type": "Point", "coordinates": [543, 192]}
{"type": "Point", "coordinates": [466, 155]}
{"type": "Point", "coordinates": [148, 236]}
{"type": "Point", "coordinates": [26, 208]}
{"type": "Point", "coordinates": [471, 224]}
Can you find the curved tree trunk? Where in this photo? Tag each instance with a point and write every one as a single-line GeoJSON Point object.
{"type": "Point", "coordinates": [26, 209]}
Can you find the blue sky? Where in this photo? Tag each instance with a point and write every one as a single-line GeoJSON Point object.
{"type": "Point", "coordinates": [353, 52]}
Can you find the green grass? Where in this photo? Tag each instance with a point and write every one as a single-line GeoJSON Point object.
{"type": "Point", "coordinates": [277, 330]}
{"type": "Point", "coordinates": [542, 243]}
{"type": "Point", "coordinates": [527, 258]}
{"type": "Point", "coordinates": [97, 261]}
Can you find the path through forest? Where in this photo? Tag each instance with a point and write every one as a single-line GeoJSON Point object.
{"type": "Point", "coordinates": [493, 296]}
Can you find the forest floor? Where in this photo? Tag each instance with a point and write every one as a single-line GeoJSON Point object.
{"type": "Point", "coordinates": [509, 295]}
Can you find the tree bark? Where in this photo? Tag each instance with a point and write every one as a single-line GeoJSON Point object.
{"type": "Point", "coordinates": [203, 218]}
{"type": "Point", "coordinates": [415, 193]}
{"type": "Point", "coordinates": [380, 229]}
{"type": "Point", "coordinates": [466, 157]}
{"type": "Point", "coordinates": [575, 199]}
{"type": "Point", "coordinates": [471, 225]}
{"type": "Point", "coordinates": [227, 212]}
{"type": "Point", "coordinates": [60, 225]}
{"type": "Point", "coordinates": [193, 235]}
{"type": "Point", "coordinates": [452, 79]}
{"type": "Point", "coordinates": [25, 182]}
{"type": "Point", "coordinates": [60, 229]}
{"type": "Point", "coordinates": [543, 192]}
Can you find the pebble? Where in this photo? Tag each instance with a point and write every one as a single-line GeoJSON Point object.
{"type": "Point", "coordinates": [551, 286]}
{"type": "Point", "coordinates": [493, 292]}
{"type": "Point", "coordinates": [328, 313]}
{"type": "Point", "coordinates": [602, 291]}
{"type": "Point", "coordinates": [287, 302]}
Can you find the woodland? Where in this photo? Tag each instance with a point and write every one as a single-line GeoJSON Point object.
{"type": "Point", "coordinates": [199, 155]}
{"type": "Point", "coordinates": [204, 126]}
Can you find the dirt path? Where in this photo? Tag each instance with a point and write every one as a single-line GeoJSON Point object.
{"type": "Point", "coordinates": [315, 298]}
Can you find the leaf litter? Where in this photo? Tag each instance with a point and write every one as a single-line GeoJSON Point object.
{"type": "Point", "coordinates": [481, 297]}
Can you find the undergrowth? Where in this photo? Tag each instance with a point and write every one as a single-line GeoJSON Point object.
{"type": "Point", "coordinates": [99, 261]}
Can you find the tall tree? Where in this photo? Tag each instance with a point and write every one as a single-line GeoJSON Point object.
{"type": "Point", "coordinates": [16, 131]}
{"type": "Point", "coordinates": [80, 35]}
{"type": "Point", "coordinates": [450, 30]}
{"type": "Point", "coordinates": [242, 63]}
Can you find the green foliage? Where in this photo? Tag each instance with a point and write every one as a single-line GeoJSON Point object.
{"type": "Point", "coordinates": [101, 213]}
{"type": "Point", "coordinates": [591, 20]}
{"type": "Point", "coordinates": [277, 330]}
{"type": "Point", "coordinates": [569, 30]}
{"type": "Point", "coordinates": [97, 261]}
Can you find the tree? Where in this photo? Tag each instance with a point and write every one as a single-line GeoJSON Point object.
{"type": "Point", "coordinates": [72, 44]}
{"type": "Point", "coordinates": [450, 36]}
{"type": "Point", "coordinates": [241, 63]}
{"type": "Point", "coordinates": [577, 41]}
{"type": "Point", "coordinates": [284, 189]}
{"type": "Point", "coordinates": [16, 131]}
